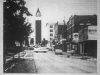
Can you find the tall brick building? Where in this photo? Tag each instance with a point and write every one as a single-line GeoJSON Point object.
{"type": "Point", "coordinates": [38, 27]}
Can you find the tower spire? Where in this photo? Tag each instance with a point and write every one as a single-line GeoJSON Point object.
{"type": "Point", "coordinates": [38, 13]}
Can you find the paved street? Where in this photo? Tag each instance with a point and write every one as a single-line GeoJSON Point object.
{"type": "Point", "coordinates": [48, 62]}
{"type": "Point", "coordinates": [51, 63]}
{"type": "Point", "coordinates": [50, 36]}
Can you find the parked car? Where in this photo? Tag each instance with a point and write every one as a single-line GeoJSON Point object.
{"type": "Point", "coordinates": [71, 52]}
{"type": "Point", "coordinates": [58, 51]}
{"type": "Point", "coordinates": [33, 45]}
{"type": "Point", "coordinates": [50, 48]}
{"type": "Point", "coordinates": [40, 50]}
{"type": "Point", "coordinates": [36, 46]}
{"type": "Point", "coordinates": [31, 48]}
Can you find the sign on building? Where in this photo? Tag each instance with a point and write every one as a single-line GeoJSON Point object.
{"type": "Point", "coordinates": [92, 32]}
{"type": "Point", "coordinates": [75, 37]}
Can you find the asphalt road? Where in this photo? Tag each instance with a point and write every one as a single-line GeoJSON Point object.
{"type": "Point", "coordinates": [51, 63]}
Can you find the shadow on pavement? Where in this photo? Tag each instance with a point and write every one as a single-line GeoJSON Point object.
{"type": "Point", "coordinates": [21, 66]}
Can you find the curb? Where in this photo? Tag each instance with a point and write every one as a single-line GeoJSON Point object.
{"type": "Point", "coordinates": [12, 65]}
{"type": "Point", "coordinates": [35, 67]}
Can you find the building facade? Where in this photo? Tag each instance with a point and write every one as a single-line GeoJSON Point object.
{"type": "Point", "coordinates": [64, 35]}
{"type": "Point", "coordinates": [78, 37]}
{"type": "Point", "coordinates": [60, 35]}
{"type": "Point", "coordinates": [50, 33]}
{"type": "Point", "coordinates": [88, 41]}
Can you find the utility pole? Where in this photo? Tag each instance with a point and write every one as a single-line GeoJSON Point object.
{"type": "Point", "coordinates": [64, 20]}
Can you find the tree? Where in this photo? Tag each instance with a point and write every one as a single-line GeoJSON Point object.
{"type": "Point", "coordinates": [44, 42]}
{"type": "Point", "coordinates": [32, 41]}
{"type": "Point", "coordinates": [53, 42]}
{"type": "Point", "coordinates": [16, 28]}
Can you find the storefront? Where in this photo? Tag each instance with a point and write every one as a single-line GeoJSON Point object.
{"type": "Point", "coordinates": [88, 41]}
{"type": "Point", "coordinates": [75, 40]}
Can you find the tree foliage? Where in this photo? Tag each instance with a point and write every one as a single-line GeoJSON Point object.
{"type": "Point", "coordinates": [16, 28]}
{"type": "Point", "coordinates": [32, 41]}
{"type": "Point", "coordinates": [44, 42]}
{"type": "Point", "coordinates": [53, 42]}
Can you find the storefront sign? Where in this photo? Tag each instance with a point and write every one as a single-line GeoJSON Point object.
{"type": "Point", "coordinates": [92, 32]}
{"type": "Point", "coordinates": [75, 37]}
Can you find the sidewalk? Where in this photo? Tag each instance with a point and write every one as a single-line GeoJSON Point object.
{"type": "Point", "coordinates": [20, 65]}
{"type": "Point", "coordinates": [12, 60]}
{"type": "Point", "coordinates": [15, 56]}
{"type": "Point", "coordinates": [23, 66]}
{"type": "Point", "coordinates": [76, 56]}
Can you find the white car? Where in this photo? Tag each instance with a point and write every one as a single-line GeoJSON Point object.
{"type": "Point", "coordinates": [58, 51]}
{"type": "Point", "coordinates": [40, 50]}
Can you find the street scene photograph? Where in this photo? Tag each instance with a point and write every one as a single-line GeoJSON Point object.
{"type": "Point", "coordinates": [50, 36]}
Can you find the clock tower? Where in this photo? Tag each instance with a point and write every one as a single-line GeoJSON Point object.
{"type": "Point", "coordinates": [38, 27]}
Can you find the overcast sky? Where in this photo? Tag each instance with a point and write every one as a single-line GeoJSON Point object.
{"type": "Point", "coordinates": [55, 10]}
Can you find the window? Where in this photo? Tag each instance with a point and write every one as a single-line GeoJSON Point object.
{"type": "Point", "coordinates": [72, 21]}
{"type": "Point", "coordinates": [51, 30]}
{"type": "Point", "coordinates": [81, 23]}
{"type": "Point", "coordinates": [4, 0]}
{"type": "Point", "coordinates": [51, 26]}
{"type": "Point", "coordinates": [51, 34]}
{"type": "Point", "coordinates": [88, 23]}
{"type": "Point", "coordinates": [51, 38]}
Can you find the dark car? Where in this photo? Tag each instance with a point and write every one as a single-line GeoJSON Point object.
{"type": "Point", "coordinates": [50, 48]}
{"type": "Point", "coordinates": [31, 48]}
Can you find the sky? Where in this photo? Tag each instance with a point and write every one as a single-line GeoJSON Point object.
{"type": "Point", "coordinates": [55, 10]}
